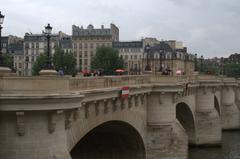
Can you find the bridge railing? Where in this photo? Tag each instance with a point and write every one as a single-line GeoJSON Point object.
{"type": "Point", "coordinates": [172, 79]}
{"type": "Point", "coordinates": [81, 83]}
{"type": "Point", "coordinates": [61, 84]}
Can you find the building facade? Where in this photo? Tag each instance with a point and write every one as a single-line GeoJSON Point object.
{"type": "Point", "coordinates": [35, 45]}
{"type": "Point", "coordinates": [66, 44]}
{"type": "Point", "coordinates": [8, 43]}
{"type": "Point", "coordinates": [16, 50]}
{"type": "Point", "coordinates": [168, 60]}
{"type": "Point", "coordinates": [86, 41]}
{"type": "Point", "coordinates": [18, 63]}
{"type": "Point", "coordinates": [150, 41]}
{"type": "Point", "coordinates": [132, 54]}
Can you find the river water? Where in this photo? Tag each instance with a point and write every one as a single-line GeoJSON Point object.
{"type": "Point", "coordinates": [230, 148]}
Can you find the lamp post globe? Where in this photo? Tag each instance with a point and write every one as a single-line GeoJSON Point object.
{"type": "Point", "coordinates": [48, 29]}
{"type": "Point", "coordinates": [1, 18]}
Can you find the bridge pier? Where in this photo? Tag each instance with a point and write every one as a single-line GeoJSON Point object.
{"type": "Point", "coordinates": [230, 116]}
{"type": "Point", "coordinates": [34, 126]}
{"type": "Point", "coordinates": [207, 119]}
{"type": "Point", "coordinates": [32, 135]}
{"type": "Point", "coordinates": [165, 136]}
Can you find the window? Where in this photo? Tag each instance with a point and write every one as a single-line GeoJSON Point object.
{"type": "Point", "coordinates": [91, 45]}
{"type": "Point", "coordinates": [91, 53]}
{"type": "Point", "coordinates": [32, 58]}
{"type": "Point", "coordinates": [85, 54]}
{"type": "Point", "coordinates": [26, 46]}
{"type": "Point", "coordinates": [85, 45]}
{"type": "Point", "coordinates": [80, 45]}
{"type": "Point", "coordinates": [85, 61]}
{"type": "Point", "coordinates": [37, 45]}
{"type": "Point", "coordinates": [75, 45]}
{"type": "Point", "coordinates": [75, 53]}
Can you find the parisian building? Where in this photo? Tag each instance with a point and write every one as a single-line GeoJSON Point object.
{"type": "Point", "coordinates": [8, 43]}
{"type": "Point", "coordinates": [132, 54]}
{"type": "Point", "coordinates": [150, 41]}
{"type": "Point", "coordinates": [35, 45]}
{"type": "Point", "coordinates": [16, 49]}
{"type": "Point", "coordinates": [86, 41]}
{"type": "Point", "coordinates": [65, 43]}
{"type": "Point", "coordinates": [167, 58]}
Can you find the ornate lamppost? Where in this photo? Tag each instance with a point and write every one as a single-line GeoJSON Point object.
{"type": "Point", "coordinates": [147, 50]}
{"type": "Point", "coordinates": [195, 63]}
{"type": "Point", "coordinates": [1, 22]}
{"type": "Point", "coordinates": [48, 31]}
{"type": "Point", "coordinates": [172, 60]}
{"type": "Point", "coordinates": [160, 58]}
{"type": "Point", "coordinates": [48, 68]}
{"type": "Point", "coordinates": [201, 63]}
{"type": "Point", "coordinates": [3, 69]}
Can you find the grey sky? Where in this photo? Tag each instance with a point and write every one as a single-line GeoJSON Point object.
{"type": "Point", "coordinates": [207, 27]}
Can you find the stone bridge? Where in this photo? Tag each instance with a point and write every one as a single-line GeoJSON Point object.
{"type": "Point", "coordinates": [87, 118]}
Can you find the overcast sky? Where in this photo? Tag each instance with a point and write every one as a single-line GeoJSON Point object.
{"type": "Point", "coordinates": [207, 27]}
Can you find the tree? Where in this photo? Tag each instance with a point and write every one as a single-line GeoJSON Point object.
{"type": "Point", "coordinates": [8, 60]}
{"type": "Point", "coordinates": [39, 64]}
{"type": "Point", "coordinates": [232, 70]}
{"type": "Point", "coordinates": [61, 60]}
{"type": "Point", "coordinates": [65, 61]}
{"type": "Point", "coordinates": [107, 58]}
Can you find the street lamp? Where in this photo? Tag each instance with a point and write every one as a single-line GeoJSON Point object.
{"type": "Point", "coordinates": [195, 63]}
{"type": "Point", "coordinates": [1, 22]}
{"type": "Point", "coordinates": [48, 31]}
{"type": "Point", "coordinates": [172, 58]}
{"type": "Point", "coordinates": [160, 58]}
{"type": "Point", "coordinates": [147, 49]}
{"type": "Point", "coordinates": [201, 63]}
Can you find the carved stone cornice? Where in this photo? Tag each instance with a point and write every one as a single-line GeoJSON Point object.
{"type": "Point", "coordinates": [52, 122]}
{"type": "Point", "coordinates": [68, 119]}
{"type": "Point", "coordinates": [38, 102]}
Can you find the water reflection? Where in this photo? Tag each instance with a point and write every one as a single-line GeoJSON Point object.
{"type": "Point", "coordinates": [230, 148]}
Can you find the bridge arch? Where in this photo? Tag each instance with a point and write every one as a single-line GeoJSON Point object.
{"type": "Point", "coordinates": [110, 140]}
{"type": "Point", "coordinates": [185, 116]}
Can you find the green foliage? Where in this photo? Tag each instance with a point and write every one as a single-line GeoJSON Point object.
{"type": "Point", "coordinates": [8, 60]}
{"type": "Point", "coordinates": [107, 58]}
{"type": "Point", "coordinates": [39, 64]}
{"type": "Point", "coordinates": [211, 68]}
{"type": "Point", "coordinates": [61, 60]}
{"type": "Point", "coordinates": [65, 61]}
{"type": "Point", "coordinates": [232, 70]}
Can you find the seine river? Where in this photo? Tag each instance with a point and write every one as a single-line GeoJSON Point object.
{"type": "Point", "coordinates": [230, 148]}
